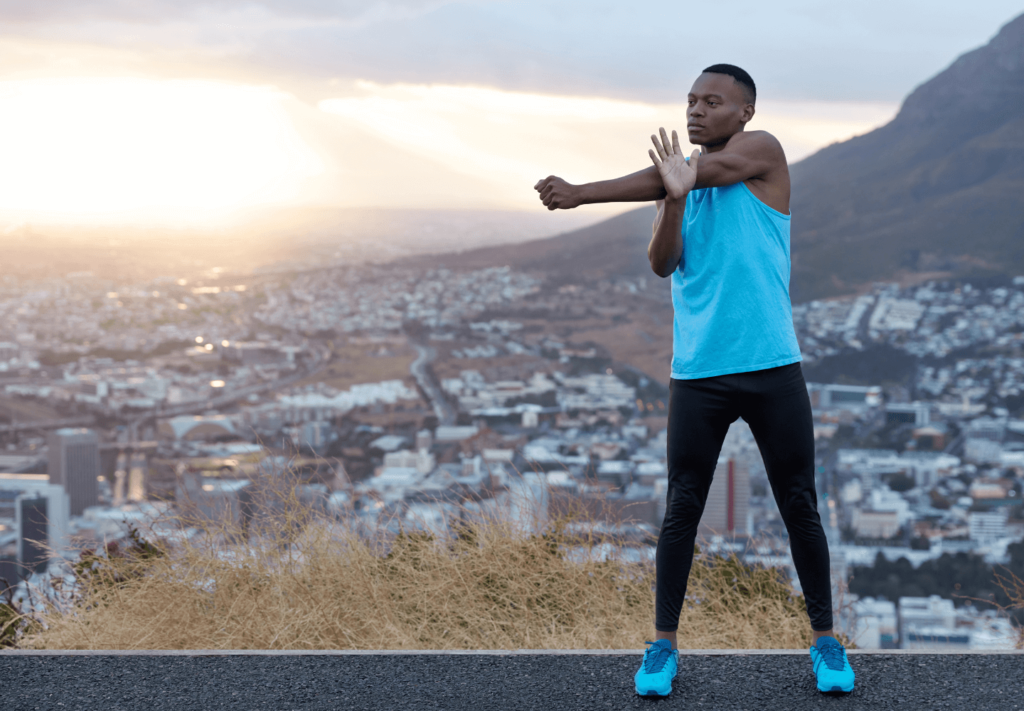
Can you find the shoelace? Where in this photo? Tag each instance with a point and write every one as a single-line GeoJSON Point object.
{"type": "Point", "coordinates": [833, 656]}
{"type": "Point", "coordinates": [654, 661]}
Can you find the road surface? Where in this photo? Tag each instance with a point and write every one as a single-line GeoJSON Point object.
{"type": "Point", "coordinates": [487, 681]}
{"type": "Point", "coordinates": [442, 408]}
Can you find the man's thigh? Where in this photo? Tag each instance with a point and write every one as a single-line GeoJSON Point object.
{"type": "Point", "coordinates": [700, 412]}
{"type": "Point", "coordinates": [779, 415]}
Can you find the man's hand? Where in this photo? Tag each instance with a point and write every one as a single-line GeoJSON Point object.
{"type": "Point", "coordinates": [556, 194]}
{"type": "Point", "coordinates": [677, 175]}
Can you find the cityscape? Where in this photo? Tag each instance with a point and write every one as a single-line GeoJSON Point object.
{"type": "Point", "coordinates": [402, 396]}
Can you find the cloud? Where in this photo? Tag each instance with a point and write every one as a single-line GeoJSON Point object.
{"type": "Point", "coordinates": [157, 11]}
{"type": "Point", "coordinates": [875, 50]}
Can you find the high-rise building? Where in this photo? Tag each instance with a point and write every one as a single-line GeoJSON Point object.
{"type": "Point", "coordinates": [74, 463]}
{"type": "Point", "coordinates": [32, 525]}
{"type": "Point", "coordinates": [727, 509]}
{"type": "Point", "coordinates": [40, 512]}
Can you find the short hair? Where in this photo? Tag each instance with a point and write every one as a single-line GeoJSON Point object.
{"type": "Point", "coordinates": [739, 75]}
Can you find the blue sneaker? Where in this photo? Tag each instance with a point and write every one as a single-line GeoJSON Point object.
{"type": "Point", "coordinates": [661, 662]}
{"type": "Point", "coordinates": [831, 666]}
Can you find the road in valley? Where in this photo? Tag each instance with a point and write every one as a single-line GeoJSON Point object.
{"type": "Point", "coordinates": [428, 383]}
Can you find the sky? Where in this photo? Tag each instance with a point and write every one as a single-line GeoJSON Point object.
{"type": "Point", "coordinates": [169, 112]}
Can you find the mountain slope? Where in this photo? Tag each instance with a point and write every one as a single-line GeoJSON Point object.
{"type": "Point", "coordinates": [939, 188]}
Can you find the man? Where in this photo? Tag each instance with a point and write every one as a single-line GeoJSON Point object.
{"type": "Point", "coordinates": [722, 234]}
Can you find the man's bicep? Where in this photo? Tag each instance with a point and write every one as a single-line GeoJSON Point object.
{"type": "Point", "coordinates": [751, 158]}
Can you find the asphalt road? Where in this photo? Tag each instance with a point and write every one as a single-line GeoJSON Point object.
{"type": "Point", "coordinates": [425, 356]}
{"type": "Point", "coordinates": [481, 682]}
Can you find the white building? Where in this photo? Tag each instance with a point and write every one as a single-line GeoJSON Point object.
{"type": "Point", "coordinates": [528, 499]}
{"type": "Point", "coordinates": [882, 514]}
{"type": "Point", "coordinates": [422, 461]}
{"type": "Point", "coordinates": [928, 468]}
{"type": "Point", "coordinates": [844, 397]}
{"type": "Point", "coordinates": [932, 623]}
{"type": "Point", "coordinates": [982, 451]}
{"type": "Point", "coordinates": [987, 525]}
{"type": "Point", "coordinates": [875, 624]}
{"type": "Point", "coordinates": [929, 622]}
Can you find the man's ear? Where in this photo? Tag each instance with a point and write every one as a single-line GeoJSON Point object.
{"type": "Point", "coordinates": [747, 113]}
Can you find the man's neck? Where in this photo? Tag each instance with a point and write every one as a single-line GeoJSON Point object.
{"type": "Point", "coordinates": [720, 146]}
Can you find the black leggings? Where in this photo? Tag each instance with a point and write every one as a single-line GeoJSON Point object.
{"type": "Point", "coordinates": [775, 404]}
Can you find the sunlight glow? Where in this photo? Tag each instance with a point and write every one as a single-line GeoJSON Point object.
{"type": "Point", "coordinates": [125, 149]}
{"type": "Point", "coordinates": [517, 138]}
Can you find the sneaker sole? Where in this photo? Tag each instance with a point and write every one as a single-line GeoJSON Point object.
{"type": "Point", "coordinates": [652, 692]}
{"type": "Point", "coordinates": [836, 690]}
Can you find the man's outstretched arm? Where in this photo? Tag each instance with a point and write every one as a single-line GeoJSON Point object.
{"type": "Point", "coordinates": [745, 156]}
{"type": "Point", "coordinates": [642, 186]}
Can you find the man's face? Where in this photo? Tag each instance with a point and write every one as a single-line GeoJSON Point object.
{"type": "Point", "coordinates": [718, 109]}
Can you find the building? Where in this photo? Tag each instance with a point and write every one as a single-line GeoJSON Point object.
{"type": "Point", "coordinates": [929, 438]}
{"type": "Point", "coordinates": [40, 512]}
{"type": "Point", "coordinates": [929, 622]}
{"type": "Point", "coordinates": [927, 468]}
{"type": "Point", "coordinates": [74, 463]}
{"type": "Point", "coordinates": [869, 464]}
{"type": "Point", "coordinates": [934, 624]}
{"type": "Point", "coordinates": [32, 526]}
{"type": "Point", "coordinates": [982, 450]}
{"type": "Point", "coordinates": [728, 505]}
{"type": "Point", "coordinates": [875, 624]}
{"type": "Point", "coordinates": [196, 428]}
{"type": "Point", "coordinates": [844, 397]}
{"type": "Point", "coordinates": [915, 413]}
{"type": "Point", "coordinates": [987, 525]}
{"type": "Point", "coordinates": [315, 435]}
{"type": "Point", "coordinates": [882, 514]}
{"type": "Point", "coordinates": [424, 440]}
{"type": "Point", "coordinates": [875, 524]}
{"type": "Point", "coordinates": [224, 503]}
{"type": "Point", "coordinates": [422, 461]}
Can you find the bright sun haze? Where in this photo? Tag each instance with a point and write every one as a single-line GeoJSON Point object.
{"type": "Point", "coordinates": [146, 150]}
{"type": "Point", "coordinates": [189, 153]}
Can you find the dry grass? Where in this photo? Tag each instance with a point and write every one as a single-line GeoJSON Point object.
{"type": "Point", "coordinates": [305, 582]}
{"type": "Point", "coordinates": [1013, 586]}
{"type": "Point", "coordinates": [354, 364]}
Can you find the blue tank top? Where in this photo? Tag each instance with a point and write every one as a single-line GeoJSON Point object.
{"type": "Point", "coordinates": [730, 291]}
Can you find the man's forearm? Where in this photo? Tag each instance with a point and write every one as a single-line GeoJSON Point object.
{"type": "Point", "coordinates": [642, 186]}
{"type": "Point", "coordinates": [666, 247]}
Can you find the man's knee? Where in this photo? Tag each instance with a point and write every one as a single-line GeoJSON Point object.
{"type": "Point", "coordinates": [799, 509]}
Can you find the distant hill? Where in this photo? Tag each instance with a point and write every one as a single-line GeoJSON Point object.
{"type": "Point", "coordinates": [939, 189]}
{"type": "Point", "coordinates": [617, 246]}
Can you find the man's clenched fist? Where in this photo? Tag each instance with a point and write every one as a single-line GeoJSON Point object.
{"type": "Point", "coordinates": [556, 194]}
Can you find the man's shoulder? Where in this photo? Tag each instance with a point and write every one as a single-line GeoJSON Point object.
{"type": "Point", "coordinates": [760, 141]}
